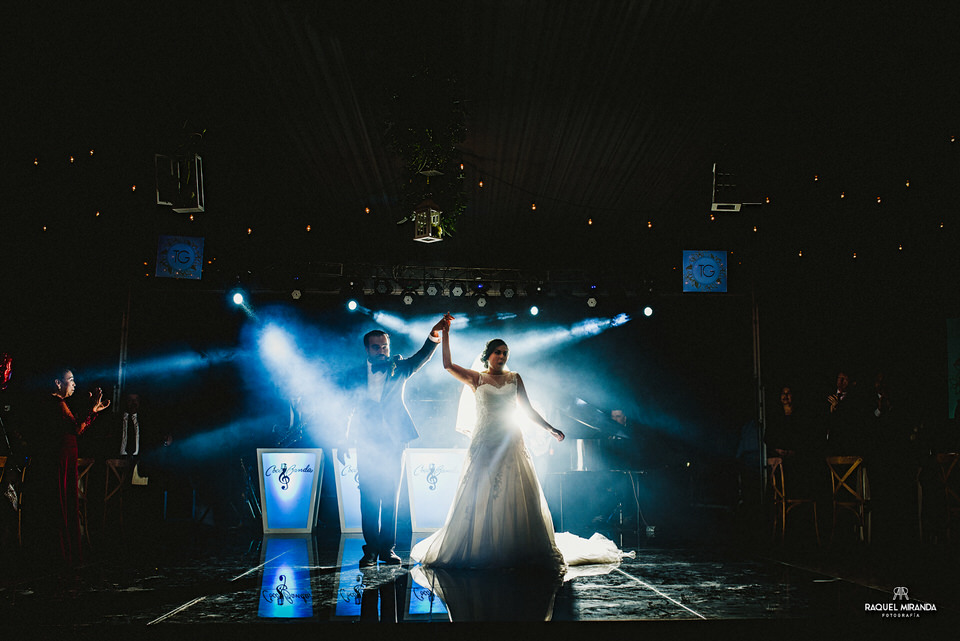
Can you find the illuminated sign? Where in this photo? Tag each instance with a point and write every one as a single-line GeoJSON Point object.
{"type": "Point", "coordinates": [180, 257]}
{"type": "Point", "coordinates": [704, 271]}
{"type": "Point", "coordinates": [348, 491]}
{"type": "Point", "coordinates": [432, 477]}
{"type": "Point", "coordinates": [290, 489]}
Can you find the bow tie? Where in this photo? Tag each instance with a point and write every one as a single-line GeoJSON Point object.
{"type": "Point", "coordinates": [380, 367]}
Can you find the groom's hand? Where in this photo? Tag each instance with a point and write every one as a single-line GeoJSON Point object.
{"type": "Point", "coordinates": [442, 325]}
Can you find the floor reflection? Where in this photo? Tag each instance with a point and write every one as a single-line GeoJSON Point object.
{"type": "Point", "coordinates": [285, 585]}
{"type": "Point", "coordinates": [491, 595]}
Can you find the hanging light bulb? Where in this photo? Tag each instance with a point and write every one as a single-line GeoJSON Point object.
{"type": "Point", "coordinates": [843, 194]}
{"type": "Point", "coordinates": [480, 184]}
{"type": "Point", "coordinates": [800, 253]}
{"type": "Point", "coordinates": [366, 209]}
{"type": "Point", "coordinates": [533, 206]}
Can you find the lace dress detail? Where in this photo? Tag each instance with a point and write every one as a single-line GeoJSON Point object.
{"type": "Point", "coordinates": [499, 516]}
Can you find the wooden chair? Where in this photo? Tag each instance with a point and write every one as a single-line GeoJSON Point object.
{"type": "Point", "coordinates": [117, 478]}
{"type": "Point", "coordinates": [9, 472]}
{"type": "Point", "coordinates": [851, 492]}
{"type": "Point", "coordinates": [948, 483]}
{"type": "Point", "coordinates": [784, 500]}
{"type": "Point", "coordinates": [83, 470]}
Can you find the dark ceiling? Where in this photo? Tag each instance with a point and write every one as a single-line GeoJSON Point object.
{"type": "Point", "coordinates": [608, 116]}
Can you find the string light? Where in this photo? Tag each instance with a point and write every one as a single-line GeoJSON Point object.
{"type": "Point", "coordinates": [91, 152]}
{"type": "Point", "coordinates": [36, 161]}
{"type": "Point", "coordinates": [308, 227]}
{"type": "Point", "coordinates": [649, 224]}
{"type": "Point", "coordinates": [754, 228]}
{"type": "Point", "coordinates": [71, 160]}
{"type": "Point", "coordinates": [533, 206]}
{"type": "Point", "coordinates": [816, 177]}
{"type": "Point", "coordinates": [133, 188]}
{"type": "Point", "coordinates": [249, 230]}
{"type": "Point", "coordinates": [191, 218]}
{"type": "Point", "coordinates": [854, 254]}
{"type": "Point", "coordinates": [800, 253]}
{"type": "Point", "coordinates": [97, 214]}
{"type": "Point", "coordinates": [589, 221]}
{"type": "Point", "coordinates": [878, 200]}
{"type": "Point", "coordinates": [901, 247]}
{"type": "Point", "coordinates": [908, 182]}
{"type": "Point", "coordinates": [768, 200]}
{"type": "Point", "coordinates": [843, 194]}
{"type": "Point", "coordinates": [367, 209]}
{"type": "Point", "coordinates": [712, 217]}
{"type": "Point", "coordinates": [481, 183]}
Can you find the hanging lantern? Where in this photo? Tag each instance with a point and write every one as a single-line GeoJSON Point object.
{"type": "Point", "coordinates": [426, 222]}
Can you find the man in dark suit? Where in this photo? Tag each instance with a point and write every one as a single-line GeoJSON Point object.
{"type": "Point", "coordinates": [380, 427]}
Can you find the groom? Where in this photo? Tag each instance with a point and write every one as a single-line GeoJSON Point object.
{"type": "Point", "coordinates": [380, 427]}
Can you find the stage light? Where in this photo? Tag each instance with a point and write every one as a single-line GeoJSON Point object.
{"type": "Point", "coordinates": [534, 310]}
{"type": "Point", "coordinates": [457, 289]}
{"type": "Point", "coordinates": [591, 301]}
{"type": "Point", "coordinates": [296, 294]}
{"type": "Point", "coordinates": [383, 286]}
{"type": "Point", "coordinates": [237, 298]}
{"type": "Point", "coordinates": [433, 288]}
{"type": "Point", "coordinates": [409, 295]}
{"type": "Point", "coordinates": [352, 305]}
{"type": "Point", "coordinates": [508, 291]}
{"type": "Point", "coordinates": [481, 300]}
{"type": "Point", "coordinates": [648, 311]}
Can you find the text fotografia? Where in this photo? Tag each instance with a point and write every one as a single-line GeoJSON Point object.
{"type": "Point", "coordinates": [910, 609]}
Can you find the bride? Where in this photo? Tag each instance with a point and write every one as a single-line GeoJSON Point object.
{"type": "Point", "coordinates": [499, 517]}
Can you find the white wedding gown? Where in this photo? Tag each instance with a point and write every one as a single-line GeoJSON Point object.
{"type": "Point", "coordinates": [499, 517]}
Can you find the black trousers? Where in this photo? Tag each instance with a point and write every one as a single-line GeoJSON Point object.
{"type": "Point", "coordinates": [380, 472]}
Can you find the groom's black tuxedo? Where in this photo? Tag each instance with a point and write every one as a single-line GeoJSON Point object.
{"type": "Point", "coordinates": [375, 421]}
{"type": "Point", "coordinates": [380, 427]}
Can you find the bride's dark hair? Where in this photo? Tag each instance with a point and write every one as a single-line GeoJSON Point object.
{"type": "Point", "coordinates": [492, 345]}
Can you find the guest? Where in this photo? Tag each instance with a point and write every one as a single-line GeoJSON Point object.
{"type": "Point", "coordinates": [792, 436]}
{"type": "Point", "coordinates": [53, 469]}
{"type": "Point", "coordinates": [846, 418]}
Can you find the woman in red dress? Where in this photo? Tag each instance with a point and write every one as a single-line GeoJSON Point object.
{"type": "Point", "coordinates": [53, 470]}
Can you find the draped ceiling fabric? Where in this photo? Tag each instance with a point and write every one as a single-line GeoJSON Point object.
{"type": "Point", "coordinates": [611, 112]}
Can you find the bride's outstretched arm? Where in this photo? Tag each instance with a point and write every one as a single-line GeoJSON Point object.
{"type": "Point", "coordinates": [534, 414]}
{"type": "Point", "coordinates": [462, 374]}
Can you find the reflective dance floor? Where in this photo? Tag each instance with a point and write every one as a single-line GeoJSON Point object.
{"type": "Point", "coordinates": [192, 579]}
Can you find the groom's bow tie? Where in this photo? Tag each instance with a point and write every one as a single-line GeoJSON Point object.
{"type": "Point", "coordinates": [380, 367]}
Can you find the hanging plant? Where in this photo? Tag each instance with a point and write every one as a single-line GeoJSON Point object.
{"type": "Point", "coordinates": [425, 125]}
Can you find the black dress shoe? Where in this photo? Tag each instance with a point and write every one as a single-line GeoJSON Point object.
{"type": "Point", "coordinates": [369, 560]}
{"type": "Point", "coordinates": [390, 558]}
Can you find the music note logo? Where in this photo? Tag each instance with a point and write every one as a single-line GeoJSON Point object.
{"type": "Point", "coordinates": [284, 478]}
